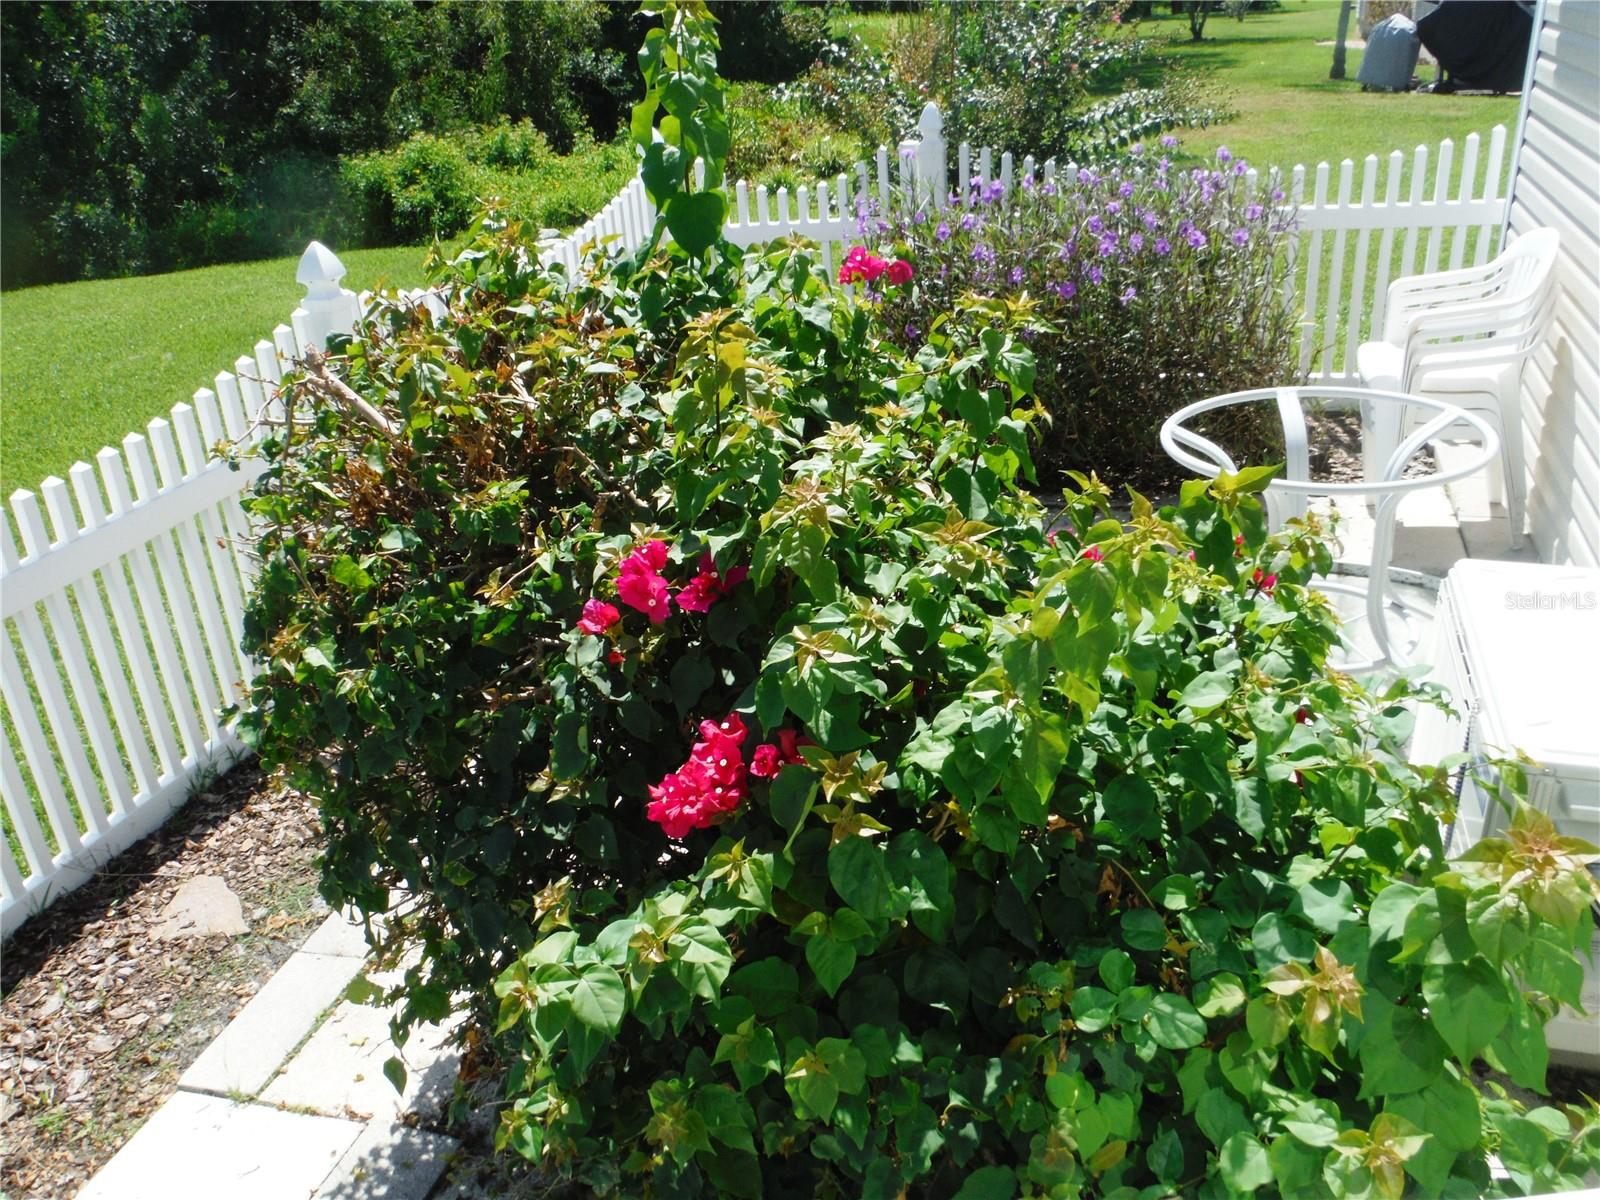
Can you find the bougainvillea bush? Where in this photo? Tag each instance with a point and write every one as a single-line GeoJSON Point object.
{"type": "Point", "coordinates": [1158, 286]}
{"type": "Point", "coordinates": [690, 662]}
{"type": "Point", "coordinates": [684, 673]}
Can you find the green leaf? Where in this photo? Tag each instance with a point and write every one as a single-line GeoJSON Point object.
{"type": "Point", "coordinates": [1220, 995]}
{"type": "Point", "coordinates": [1143, 929]}
{"type": "Point", "coordinates": [695, 219]}
{"type": "Point", "coordinates": [989, 1183]}
{"type": "Point", "coordinates": [1467, 1004]}
{"type": "Point", "coordinates": [1131, 805]}
{"type": "Point", "coordinates": [395, 1072]}
{"type": "Point", "coordinates": [831, 959]}
{"type": "Point", "coordinates": [1278, 940]}
{"type": "Point", "coordinates": [1206, 691]}
{"type": "Point", "coordinates": [1174, 1023]}
{"type": "Point", "coordinates": [1116, 969]}
{"type": "Point", "coordinates": [1093, 1008]}
{"type": "Point", "coordinates": [922, 871]}
{"type": "Point", "coordinates": [1175, 893]}
{"type": "Point", "coordinates": [1243, 1163]}
{"type": "Point", "coordinates": [771, 985]}
{"type": "Point", "coordinates": [1387, 917]}
{"type": "Point", "coordinates": [599, 999]}
{"type": "Point", "coordinates": [858, 868]}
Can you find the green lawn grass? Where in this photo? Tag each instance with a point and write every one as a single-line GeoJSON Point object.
{"type": "Point", "coordinates": [83, 364]}
{"type": "Point", "coordinates": [1272, 73]}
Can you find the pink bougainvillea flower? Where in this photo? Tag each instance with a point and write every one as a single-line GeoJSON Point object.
{"type": "Point", "coordinates": [1093, 554]}
{"type": "Point", "coordinates": [598, 618]}
{"type": "Point", "coordinates": [861, 266]}
{"type": "Point", "coordinates": [764, 763]}
{"type": "Point", "coordinates": [898, 272]}
{"type": "Point", "coordinates": [707, 587]}
{"type": "Point", "coordinates": [1263, 581]}
{"type": "Point", "coordinates": [647, 592]}
{"type": "Point", "coordinates": [616, 658]}
{"type": "Point", "coordinates": [1050, 536]}
{"type": "Point", "coordinates": [711, 784]}
{"type": "Point", "coordinates": [769, 759]}
{"type": "Point", "coordinates": [640, 585]}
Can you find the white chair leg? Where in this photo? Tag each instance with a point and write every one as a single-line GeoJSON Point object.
{"type": "Point", "coordinates": [1512, 463]}
{"type": "Point", "coordinates": [1380, 436]}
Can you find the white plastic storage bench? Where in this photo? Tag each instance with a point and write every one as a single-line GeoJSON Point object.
{"type": "Point", "coordinates": [1518, 646]}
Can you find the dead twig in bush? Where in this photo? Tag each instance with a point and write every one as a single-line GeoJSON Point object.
{"type": "Point", "coordinates": [318, 379]}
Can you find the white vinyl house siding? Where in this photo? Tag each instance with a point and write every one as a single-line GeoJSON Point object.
{"type": "Point", "coordinates": [1557, 184]}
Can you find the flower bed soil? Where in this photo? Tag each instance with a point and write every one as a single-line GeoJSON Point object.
{"type": "Point", "coordinates": [99, 1019]}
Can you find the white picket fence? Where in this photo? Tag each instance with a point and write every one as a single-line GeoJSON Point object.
{"type": "Point", "coordinates": [122, 614]}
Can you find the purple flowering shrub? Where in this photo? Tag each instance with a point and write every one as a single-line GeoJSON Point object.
{"type": "Point", "coordinates": [1151, 286]}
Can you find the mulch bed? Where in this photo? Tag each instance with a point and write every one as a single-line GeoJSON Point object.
{"type": "Point", "coordinates": [98, 1019]}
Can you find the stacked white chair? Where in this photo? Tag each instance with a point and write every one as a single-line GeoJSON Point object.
{"type": "Point", "coordinates": [1462, 337]}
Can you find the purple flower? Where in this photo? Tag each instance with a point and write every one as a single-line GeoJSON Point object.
{"type": "Point", "coordinates": [1125, 190]}
{"type": "Point", "coordinates": [1241, 167]}
{"type": "Point", "coordinates": [918, 217]}
{"type": "Point", "coordinates": [993, 192]}
{"type": "Point", "coordinates": [1095, 225]}
{"type": "Point", "coordinates": [1049, 189]}
{"type": "Point", "coordinates": [1168, 140]}
{"type": "Point", "coordinates": [1128, 297]}
{"type": "Point", "coordinates": [1277, 195]}
{"type": "Point", "coordinates": [1240, 236]}
{"type": "Point", "coordinates": [912, 332]}
{"type": "Point", "coordinates": [942, 233]}
{"type": "Point", "coordinates": [1113, 207]}
{"type": "Point", "coordinates": [983, 253]}
{"type": "Point", "coordinates": [1108, 245]}
{"type": "Point", "coordinates": [969, 222]}
{"type": "Point", "coordinates": [1136, 242]}
{"type": "Point", "coordinates": [1224, 154]}
{"type": "Point", "coordinates": [1096, 275]}
{"type": "Point", "coordinates": [1027, 182]}
{"type": "Point", "coordinates": [1016, 275]}
{"type": "Point", "coordinates": [1149, 218]}
{"type": "Point", "coordinates": [1253, 212]}
{"type": "Point", "coordinates": [1136, 150]}
{"type": "Point", "coordinates": [1068, 251]}
{"type": "Point", "coordinates": [1067, 290]}
{"type": "Point", "coordinates": [1195, 238]}
{"type": "Point", "coordinates": [1084, 177]}
{"type": "Point", "coordinates": [1163, 247]}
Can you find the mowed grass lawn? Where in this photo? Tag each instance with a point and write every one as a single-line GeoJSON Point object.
{"type": "Point", "coordinates": [1270, 70]}
{"type": "Point", "coordinates": [84, 364]}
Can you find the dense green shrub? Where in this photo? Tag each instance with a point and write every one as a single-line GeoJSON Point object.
{"type": "Point", "coordinates": [432, 185]}
{"type": "Point", "coordinates": [1156, 286]}
{"type": "Point", "coordinates": [132, 135]}
{"type": "Point", "coordinates": [782, 143]}
{"type": "Point", "coordinates": [769, 41]}
{"type": "Point", "coordinates": [1091, 877]}
{"type": "Point", "coordinates": [678, 651]}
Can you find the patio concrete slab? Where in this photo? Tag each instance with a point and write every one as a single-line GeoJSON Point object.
{"type": "Point", "coordinates": [389, 1162]}
{"type": "Point", "coordinates": [271, 1025]}
{"type": "Point", "coordinates": [340, 1069]}
{"type": "Point", "coordinates": [205, 1147]}
{"type": "Point", "coordinates": [340, 935]}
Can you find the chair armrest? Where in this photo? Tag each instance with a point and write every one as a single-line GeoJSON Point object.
{"type": "Point", "coordinates": [1412, 294]}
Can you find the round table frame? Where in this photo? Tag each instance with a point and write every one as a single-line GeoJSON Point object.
{"type": "Point", "coordinates": [1286, 496]}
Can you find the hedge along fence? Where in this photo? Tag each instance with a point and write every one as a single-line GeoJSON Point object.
{"type": "Point", "coordinates": [122, 614]}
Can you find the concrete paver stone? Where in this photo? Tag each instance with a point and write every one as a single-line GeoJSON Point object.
{"type": "Point", "coordinates": [206, 1148]}
{"type": "Point", "coordinates": [272, 1024]}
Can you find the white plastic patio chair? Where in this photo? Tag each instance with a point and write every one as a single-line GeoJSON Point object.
{"type": "Point", "coordinates": [1463, 336]}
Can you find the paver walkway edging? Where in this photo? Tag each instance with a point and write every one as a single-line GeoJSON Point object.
{"type": "Point", "coordinates": [280, 1107]}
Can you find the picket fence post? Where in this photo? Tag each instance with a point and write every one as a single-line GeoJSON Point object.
{"type": "Point", "coordinates": [933, 174]}
{"type": "Point", "coordinates": [327, 308]}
